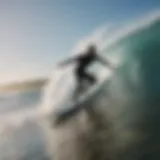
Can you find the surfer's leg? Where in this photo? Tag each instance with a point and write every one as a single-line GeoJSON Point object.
{"type": "Point", "coordinates": [79, 85]}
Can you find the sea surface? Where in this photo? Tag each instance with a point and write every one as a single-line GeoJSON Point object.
{"type": "Point", "coordinates": [21, 139]}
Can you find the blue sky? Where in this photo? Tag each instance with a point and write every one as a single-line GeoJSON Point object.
{"type": "Point", "coordinates": [37, 33]}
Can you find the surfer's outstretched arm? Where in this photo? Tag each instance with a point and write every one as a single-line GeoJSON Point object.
{"type": "Point", "coordinates": [68, 61]}
{"type": "Point", "coordinates": [105, 62]}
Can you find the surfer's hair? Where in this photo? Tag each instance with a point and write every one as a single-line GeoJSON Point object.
{"type": "Point", "coordinates": [92, 47]}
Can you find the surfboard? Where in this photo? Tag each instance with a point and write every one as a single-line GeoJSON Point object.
{"type": "Point", "coordinates": [75, 107]}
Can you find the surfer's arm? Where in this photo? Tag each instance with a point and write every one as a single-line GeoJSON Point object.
{"type": "Point", "coordinates": [105, 62]}
{"type": "Point", "coordinates": [68, 61]}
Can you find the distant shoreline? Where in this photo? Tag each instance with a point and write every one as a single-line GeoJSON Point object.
{"type": "Point", "coordinates": [25, 85]}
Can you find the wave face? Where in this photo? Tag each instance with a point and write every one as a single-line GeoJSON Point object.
{"type": "Point", "coordinates": [122, 120]}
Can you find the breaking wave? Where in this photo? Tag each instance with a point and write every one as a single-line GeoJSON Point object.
{"type": "Point", "coordinates": [122, 121]}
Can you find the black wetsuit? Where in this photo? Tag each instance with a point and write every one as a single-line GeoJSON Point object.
{"type": "Point", "coordinates": [82, 63]}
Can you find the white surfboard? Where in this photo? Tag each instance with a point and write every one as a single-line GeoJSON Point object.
{"type": "Point", "coordinates": [77, 106]}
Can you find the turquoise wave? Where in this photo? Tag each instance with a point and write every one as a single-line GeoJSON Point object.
{"type": "Point", "coordinates": [126, 108]}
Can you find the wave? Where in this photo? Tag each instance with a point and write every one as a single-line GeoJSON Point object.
{"type": "Point", "coordinates": [122, 122]}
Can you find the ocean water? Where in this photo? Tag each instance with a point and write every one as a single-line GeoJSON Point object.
{"type": "Point", "coordinates": [20, 138]}
{"type": "Point", "coordinates": [125, 125]}
{"type": "Point", "coordinates": [123, 120]}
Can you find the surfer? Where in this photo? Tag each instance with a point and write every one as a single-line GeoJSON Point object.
{"type": "Point", "coordinates": [83, 61]}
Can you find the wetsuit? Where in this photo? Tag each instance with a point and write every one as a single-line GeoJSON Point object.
{"type": "Point", "coordinates": [82, 63]}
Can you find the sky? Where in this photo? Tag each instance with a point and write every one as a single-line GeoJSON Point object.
{"type": "Point", "coordinates": [35, 34]}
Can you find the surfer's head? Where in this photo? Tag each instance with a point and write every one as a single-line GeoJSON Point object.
{"type": "Point", "coordinates": [92, 48]}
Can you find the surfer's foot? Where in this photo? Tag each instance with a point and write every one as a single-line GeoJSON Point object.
{"type": "Point", "coordinates": [64, 116]}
